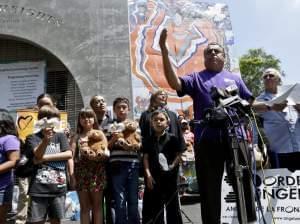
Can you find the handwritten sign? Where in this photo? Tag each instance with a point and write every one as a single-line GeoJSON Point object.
{"type": "Point", "coordinates": [26, 120]}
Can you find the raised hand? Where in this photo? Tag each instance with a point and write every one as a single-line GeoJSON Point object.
{"type": "Point", "coordinates": [163, 38]}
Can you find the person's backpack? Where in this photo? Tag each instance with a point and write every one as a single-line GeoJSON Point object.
{"type": "Point", "coordinates": [25, 166]}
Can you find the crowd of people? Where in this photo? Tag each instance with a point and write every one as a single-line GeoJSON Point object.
{"type": "Point", "coordinates": [61, 163]}
{"type": "Point", "coordinates": [105, 173]}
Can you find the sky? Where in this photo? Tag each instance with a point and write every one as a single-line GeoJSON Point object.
{"type": "Point", "coordinates": [273, 25]}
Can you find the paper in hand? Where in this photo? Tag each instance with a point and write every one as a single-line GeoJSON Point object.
{"type": "Point", "coordinates": [294, 96]}
{"type": "Point", "coordinates": [291, 92]}
{"type": "Point", "coordinates": [163, 162]}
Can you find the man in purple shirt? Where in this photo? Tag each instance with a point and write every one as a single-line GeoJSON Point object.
{"type": "Point", "coordinates": [211, 148]}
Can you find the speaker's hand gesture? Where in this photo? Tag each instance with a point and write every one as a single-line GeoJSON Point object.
{"type": "Point", "coordinates": [163, 38]}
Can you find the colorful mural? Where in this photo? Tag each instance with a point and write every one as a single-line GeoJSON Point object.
{"type": "Point", "coordinates": [191, 24]}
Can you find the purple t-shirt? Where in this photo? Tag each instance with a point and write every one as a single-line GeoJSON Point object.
{"type": "Point", "coordinates": [7, 143]}
{"type": "Point", "coordinates": [198, 86]}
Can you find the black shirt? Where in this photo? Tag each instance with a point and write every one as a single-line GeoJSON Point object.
{"type": "Point", "coordinates": [174, 126]}
{"type": "Point", "coordinates": [168, 144]}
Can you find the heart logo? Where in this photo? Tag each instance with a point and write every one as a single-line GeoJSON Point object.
{"type": "Point", "coordinates": [23, 122]}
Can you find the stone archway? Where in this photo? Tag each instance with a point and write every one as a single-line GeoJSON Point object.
{"type": "Point", "coordinates": [59, 80]}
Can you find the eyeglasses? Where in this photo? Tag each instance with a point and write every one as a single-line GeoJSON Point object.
{"type": "Point", "coordinates": [213, 50]}
{"type": "Point", "coordinates": [270, 76]}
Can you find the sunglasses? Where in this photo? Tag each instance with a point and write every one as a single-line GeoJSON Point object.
{"type": "Point", "coordinates": [213, 50]}
{"type": "Point", "coordinates": [270, 76]}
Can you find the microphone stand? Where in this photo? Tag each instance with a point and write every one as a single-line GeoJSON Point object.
{"type": "Point", "coordinates": [240, 166]}
{"type": "Point", "coordinates": [238, 175]}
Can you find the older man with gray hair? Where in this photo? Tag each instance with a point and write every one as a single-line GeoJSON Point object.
{"type": "Point", "coordinates": [281, 123]}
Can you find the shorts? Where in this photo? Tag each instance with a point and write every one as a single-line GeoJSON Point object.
{"type": "Point", "coordinates": [6, 195]}
{"type": "Point", "coordinates": [41, 207]}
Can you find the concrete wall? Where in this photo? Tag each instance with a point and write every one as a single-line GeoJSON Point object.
{"type": "Point", "coordinates": [90, 38]}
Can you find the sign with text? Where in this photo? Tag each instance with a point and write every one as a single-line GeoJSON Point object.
{"type": "Point", "coordinates": [26, 120]}
{"type": "Point", "coordinates": [21, 83]}
{"type": "Point", "coordinates": [279, 192]}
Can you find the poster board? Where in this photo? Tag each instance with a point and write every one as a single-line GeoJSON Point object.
{"type": "Point", "coordinates": [278, 188]}
{"type": "Point", "coordinates": [26, 119]}
{"type": "Point", "coordinates": [21, 83]}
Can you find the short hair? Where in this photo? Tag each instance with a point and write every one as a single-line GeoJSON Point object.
{"type": "Point", "coordinates": [7, 124]}
{"type": "Point", "coordinates": [214, 43]}
{"type": "Point", "coordinates": [48, 112]}
{"type": "Point", "coordinates": [84, 113]}
{"type": "Point", "coordinates": [160, 111]}
{"type": "Point", "coordinates": [93, 100]}
{"type": "Point", "coordinates": [45, 95]}
{"type": "Point", "coordinates": [272, 71]}
{"type": "Point", "coordinates": [121, 100]}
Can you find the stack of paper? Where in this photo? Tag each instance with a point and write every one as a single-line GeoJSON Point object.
{"type": "Point", "coordinates": [290, 93]}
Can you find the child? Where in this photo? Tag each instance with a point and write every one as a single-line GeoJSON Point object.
{"type": "Point", "coordinates": [48, 185]}
{"type": "Point", "coordinates": [90, 175]}
{"type": "Point", "coordinates": [124, 170]}
{"type": "Point", "coordinates": [9, 154]}
{"type": "Point", "coordinates": [99, 106]}
{"type": "Point", "coordinates": [158, 100]}
{"type": "Point", "coordinates": [162, 153]}
{"type": "Point", "coordinates": [189, 140]}
{"type": "Point", "coordinates": [23, 182]}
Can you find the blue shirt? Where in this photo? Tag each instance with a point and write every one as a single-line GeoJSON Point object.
{"type": "Point", "coordinates": [281, 128]}
{"type": "Point", "coordinates": [198, 85]}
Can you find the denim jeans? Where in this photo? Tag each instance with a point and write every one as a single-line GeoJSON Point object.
{"type": "Point", "coordinates": [124, 182]}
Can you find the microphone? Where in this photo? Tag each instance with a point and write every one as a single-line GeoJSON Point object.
{"type": "Point", "coordinates": [232, 90]}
